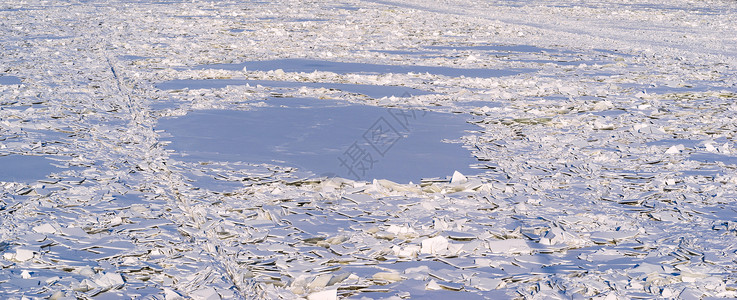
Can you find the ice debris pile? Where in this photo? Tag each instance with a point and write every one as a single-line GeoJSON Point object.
{"type": "Point", "coordinates": [606, 157]}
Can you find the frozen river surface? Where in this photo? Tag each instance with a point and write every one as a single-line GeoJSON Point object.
{"type": "Point", "coordinates": [368, 149]}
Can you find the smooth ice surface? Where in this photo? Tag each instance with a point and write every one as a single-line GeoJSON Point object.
{"type": "Point", "coordinates": [309, 65]}
{"type": "Point", "coordinates": [25, 168]}
{"type": "Point", "coordinates": [314, 134]}
{"type": "Point", "coordinates": [6, 79]}
{"type": "Point", "coordinates": [373, 91]}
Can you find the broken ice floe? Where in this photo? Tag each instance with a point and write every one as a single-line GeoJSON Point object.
{"type": "Point", "coordinates": [373, 91]}
{"type": "Point", "coordinates": [307, 66]}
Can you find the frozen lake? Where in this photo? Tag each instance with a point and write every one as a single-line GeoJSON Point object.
{"type": "Point", "coordinates": [327, 138]}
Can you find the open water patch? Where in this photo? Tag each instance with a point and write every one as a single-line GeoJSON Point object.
{"type": "Point", "coordinates": [327, 138]}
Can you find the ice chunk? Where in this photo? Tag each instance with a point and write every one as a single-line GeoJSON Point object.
{"type": "Point", "coordinates": [85, 271]}
{"type": "Point", "coordinates": [450, 286]}
{"type": "Point", "coordinates": [433, 286]}
{"type": "Point", "coordinates": [710, 147]}
{"type": "Point", "coordinates": [22, 254]}
{"type": "Point", "coordinates": [110, 279]}
{"type": "Point", "coordinates": [646, 268]}
{"type": "Point", "coordinates": [170, 294]}
{"type": "Point", "coordinates": [485, 284]}
{"type": "Point", "coordinates": [603, 105]}
{"type": "Point", "coordinates": [74, 231]}
{"type": "Point", "coordinates": [338, 278]}
{"type": "Point", "coordinates": [45, 228]}
{"type": "Point", "coordinates": [675, 149]}
{"type": "Point", "coordinates": [388, 276]}
{"type": "Point", "coordinates": [299, 284]}
{"type": "Point", "coordinates": [205, 294]}
{"type": "Point", "coordinates": [667, 293]}
{"type": "Point", "coordinates": [58, 295]}
{"type": "Point", "coordinates": [400, 230]}
{"type": "Point", "coordinates": [458, 178]}
{"type": "Point", "coordinates": [84, 286]}
{"type": "Point", "coordinates": [324, 295]}
{"type": "Point", "coordinates": [648, 129]}
{"type": "Point", "coordinates": [455, 248]}
{"type": "Point", "coordinates": [438, 244]}
{"type": "Point", "coordinates": [460, 236]}
{"type": "Point", "coordinates": [556, 235]}
{"type": "Point", "coordinates": [409, 251]}
{"type": "Point", "coordinates": [509, 246]}
{"type": "Point", "coordinates": [319, 282]}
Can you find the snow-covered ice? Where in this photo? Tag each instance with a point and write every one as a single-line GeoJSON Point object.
{"type": "Point", "coordinates": [184, 149]}
{"type": "Point", "coordinates": [373, 91]}
{"type": "Point", "coordinates": [309, 66]}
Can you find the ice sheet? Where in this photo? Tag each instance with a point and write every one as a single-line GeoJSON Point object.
{"type": "Point", "coordinates": [315, 135]}
{"type": "Point", "coordinates": [26, 168]}
{"type": "Point", "coordinates": [7, 80]}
